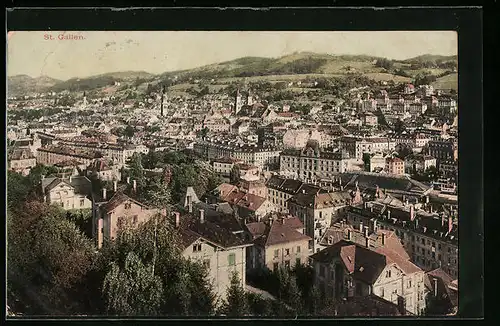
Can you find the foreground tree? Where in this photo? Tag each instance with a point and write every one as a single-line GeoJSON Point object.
{"type": "Point", "coordinates": [237, 303]}
{"type": "Point", "coordinates": [133, 289]}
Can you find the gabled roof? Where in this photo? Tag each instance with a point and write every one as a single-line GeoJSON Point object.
{"type": "Point", "coordinates": [279, 232]}
{"type": "Point", "coordinates": [119, 198]}
{"type": "Point", "coordinates": [364, 264]}
{"type": "Point", "coordinates": [211, 231]}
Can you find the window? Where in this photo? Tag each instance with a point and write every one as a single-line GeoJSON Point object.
{"type": "Point", "coordinates": [298, 249]}
{"type": "Point", "coordinates": [433, 244]}
{"type": "Point", "coordinates": [439, 256]}
{"type": "Point", "coordinates": [206, 263]}
{"type": "Point", "coordinates": [275, 267]}
{"type": "Point", "coordinates": [409, 283]}
{"type": "Point", "coordinates": [276, 253]}
{"type": "Point", "coordinates": [423, 241]}
{"type": "Point", "coordinates": [82, 202]}
{"type": "Point", "coordinates": [382, 292]}
{"type": "Point", "coordinates": [102, 230]}
{"type": "Point", "coordinates": [287, 252]}
{"type": "Point", "coordinates": [197, 247]}
{"type": "Point", "coordinates": [388, 273]}
{"type": "Point", "coordinates": [439, 246]}
{"type": "Point", "coordinates": [128, 205]}
{"type": "Point", "coordinates": [232, 259]}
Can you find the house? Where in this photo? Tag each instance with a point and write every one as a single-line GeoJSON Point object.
{"type": "Point", "coordinates": [249, 205]}
{"type": "Point", "coordinates": [346, 270]}
{"type": "Point", "coordinates": [442, 292]}
{"type": "Point", "coordinates": [317, 211]}
{"type": "Point", "coordinates": [431, 239]}
{"type": "Point", "coordinates": [254, 187]}
{"type": "Point", "coordinates": [279, 241]}
{"type": "Point", "coordinates": [21, 160]}
{"type": "Point", "coordinates": [224, 165]}
{"type": "Point", "coordinates": [111, 216]}
{"type": "Point", "coordinates": [71, 193]}
{"type": "Point", "coordinates": [217, 247]}
{"type": "Point", "coordinates": [394, 165]}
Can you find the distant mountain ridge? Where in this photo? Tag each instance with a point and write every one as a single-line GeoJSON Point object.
{"type": "Point", "coordinates": [295, 63]}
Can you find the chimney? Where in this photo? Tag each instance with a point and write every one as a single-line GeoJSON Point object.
{"type": "Point", "coordinates": [388, 214]}
{"type": "Point", "coordinates": [128, 180]}
{"type": "Point", "coordinates": [442, 221]}
{"type": "Point", "coordinates": [450, 224]}
{"type": "Point", "coordinates": [427, 199]}
{"type": "Point", "coordinates": [349, 234]}
{"type": "Point", "coordinates": [70, 179]}
{"type": "Point", "coordinates": [412, 212]}
{"type": "Point", "coordinates": [134, 182]}
{"type": "Point", "coordinates": [375, 226]}
{"type": "Point", "coordinates": [104, 193]}
{"type": "Point", "coordinates": [435, 287]}
{"type": "Point", "coordinates": [360, 226]}
{"type": "Point", "coordinates": [202, 216]}
{"type": "Point", "coordinates": [367, 242]}
{"type": "Point", "coordinates": [366, 231]}
{"type": "Point", "coordinates": [177, 219]}
{"type": "Point", "coordinates": [115, 186]}
{"type": "Point", "coordinates": [401, 305]}
{"type": "Point", "coordinates": [383, 239]}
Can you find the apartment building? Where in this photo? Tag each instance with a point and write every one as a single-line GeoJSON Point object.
{"type": "Point", "coordinates": [373, 145]}
{"type": "Point", "coordinates": [262, 157]}
{"type": "Point", "coordinates": [394, 165]}
{"type": "Point", "coordinates": [281, 189]}
{"type": "Point", "coordinates": [223, 166]}
{"type": "Point", "coordinates": [346, 270]}
{"type": "Point", "coordinates": [56, 154]}
{"type": "Point", "coordinates": [216, 246]}
{"type": "Point", "coordinates": [442, 150]}
{"type": "Point", "coordinates": [278, 241]}
{"type": "Point", "coordinates": [318, 211]}
{"type": "Point", "coordinates": [312, 164]}
{"type": "Point", "coordinates": [430, 240]}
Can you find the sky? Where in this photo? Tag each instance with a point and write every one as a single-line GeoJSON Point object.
{"type": "Point", "coordinates": [35, 54]}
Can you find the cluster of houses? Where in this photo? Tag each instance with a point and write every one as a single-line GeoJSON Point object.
{"type": "Point", "coordinates": [298, 189]}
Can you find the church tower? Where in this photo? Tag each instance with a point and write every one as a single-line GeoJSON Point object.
{"type": "Point", "coordinates": [164, 102]}
{"type": "Point", "coordinates": [237, 102]}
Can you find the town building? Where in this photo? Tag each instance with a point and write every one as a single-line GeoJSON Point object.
{"type": "Point", "coordinates": [317, 211]}
{"type": "Point", "coordinates": [278, 242]}
{"type": "Point", "coordinates": [394, 165]}
{"type": "Point", "coordinates": [312, 164]}
{"type": "Point", "coordinates": [21, 160]}
{"type": "Point", "coordinates": [112, 215]}
{"type": "Point", "coordinates": [70, 193]}
{"type": "Point", "coordinates": [346, 270]}
{"type": "Point", "coordinates": [430, 240]}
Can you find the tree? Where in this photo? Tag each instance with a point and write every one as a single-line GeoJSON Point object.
{"type": "Point", "coordinates": [384, 63]}
{"type": "Point", "coordinates": [48, 258]}
{"type": "Point", "coordinates": [294, 297]}
{"type": "Point", "coordinates": [399, 126]}
{"type": "Point", "coordinates": [237, 304]}
{"type": "Point", "coordinates": [258, 305]}
{"type": "Point", "coordinates": [134, 289]}
{"type": "Point", "coordinates": [129, 131]}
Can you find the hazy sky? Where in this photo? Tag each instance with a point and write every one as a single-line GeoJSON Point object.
{"type": "Point", "coordinates": [157, 52]}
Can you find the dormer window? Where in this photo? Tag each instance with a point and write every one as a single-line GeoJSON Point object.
{"type": "Point", "coordinates": [388, 274]}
